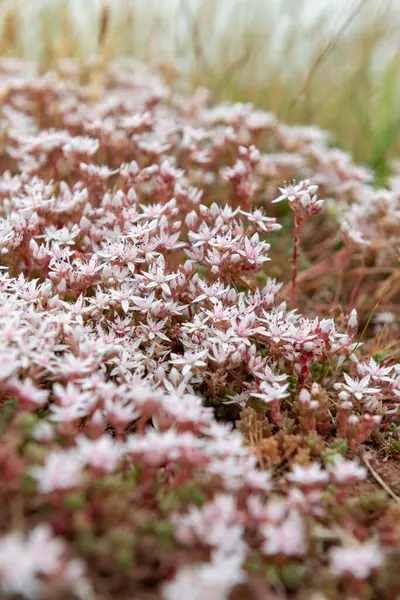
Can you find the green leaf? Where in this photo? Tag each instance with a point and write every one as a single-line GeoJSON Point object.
{"type": "Point", "coordinates": [6, 412]}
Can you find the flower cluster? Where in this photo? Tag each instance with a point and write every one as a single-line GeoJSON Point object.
{"type": "Point", "coordinates": [142, 329]}
{"type": "Point", "coordinates": [25, 562]}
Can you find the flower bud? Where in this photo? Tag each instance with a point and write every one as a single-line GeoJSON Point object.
{"type": "Point", "coordinates": [305, 396]}
{"type": "Point", "coordinates": [353, 321]}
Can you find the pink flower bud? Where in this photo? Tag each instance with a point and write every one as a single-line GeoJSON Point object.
{"type": "Point", "coordinates": [305, 396]}
{"type": "Point", "coordinates": [353, 321]}
{"type": "Point", "coordinates": [191, 219]}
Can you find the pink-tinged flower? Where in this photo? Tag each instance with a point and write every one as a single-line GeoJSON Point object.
{"type": "Point", "coordinates": [184, 408]}
{"type": "Point", "coordinates": [358, 561]}
{"type": "Point", "coordinates": [352, 323]}
{"type": "Point", "coordinates": [302, 198]}
{"type": "Point", "coordinates": [255, 251]}
{"type": "Point", "coordinates": [293, 192]}
{"type": "Point", "coordinates": [29, 395]}
{"type": "Point", "coordinates": [97, 171]}
{"type": "Point", "coordinates": [67, 414]}
{"type": "Point", "coordinates": [221, 352]}
{"type": "Point", "coordinates": [207, 581]}
{"type": "Point", "coordinates": [272, 393]}
{"type": "Point", "coordinates": [120, 411]}
{"type": "Point", "coordinates": [102, 454]}
{"type": "Point", "coordinates": [9, 363]}
{"type": "Point", "coordinates": [311, 475]}
{"type": "Point", "coordinates": [287, 537]}
{"type": "Point", "coordinates": [375, 370]}
{"type": "Point", "coordinates": [305, 396]}
{"type": "Point", "coordinates": [310, 205]}
{"type": "Point", "coordinates": [138, 122]}
{"type": "Point", "coordinates": [246, 327]}
{"type": "Point", "coordinates": [71, 403]}
{"type": "Point", "coordinates": [358, 387]}
{"type": "Point", "coordinates": [74, 576]}
{"type": "Point", "coordinates": [216, 524]}
{"type": "Point", "coordinates": [154, 329]}
{"type": "Point", "coordinates": [157, 276]}
{"type": "Point", "coordinates": [346, 471]}
{"type": "Point", "coordinates": [131, 294]}
{"type": "Point", "coordinates": [70, 366]}
{"type": "Point", "coordinates": [189, 361]}
{"type": "Point", "coordinates": [263, 222]}
{"type": "Point", "coordinates": [44, 431]}
{"type": "Point", "coordinates": [26, 562]}
{"type": "Point", "coordinates": [275, 510]}
{"type": "Point", "coordinates": [64, 236]}
{"type": "Point", "coordinates": [80, 147]}
{"type": "Point", "coordinates": [23, 561]}
{"type": "Point", "coordinates": [257, 480]}
{"type": "Point", "coordinates": [156, 448]}
{"type": "Point", "coordinates": [61, 470]}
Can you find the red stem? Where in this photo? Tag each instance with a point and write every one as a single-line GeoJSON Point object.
{"type": "Point", "coordinates": [297, 224]}
{"type": "Point", "coordinates": [357, 286]}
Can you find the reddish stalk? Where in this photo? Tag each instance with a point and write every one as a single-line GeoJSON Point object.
{"type": "Point", "coordinates": [296, 241]}
{"type": "Point", "coordinates": [318, 269]}
{"type": "Point", "coordinates": [357, 285]}
{"type": "Point", "coordinates": [54, 167]}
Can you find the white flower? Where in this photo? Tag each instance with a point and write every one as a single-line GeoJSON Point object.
{"type": "Point", "coordinates": [309, 475]}
{"type": "Point", "coordinates": [347, 471]}
{"type": "Point", "coordinates": [189, 360]}
{"type": "Point", "coordinates": [272, 393]}
{"type": "Point", "coordinates": [290, 193]}
{"type": "Point", "coordinates": [102, 454]}
{"type": "Point", "coordinates": [352, 323]}
{"type": "Point", "coordinates": [9, 363]}
{"type": "Point", "coordinates": [358, 561]}
{"type": "Point", "coordinates": [287, 537]}
{"type": "Point", "coordinates": [207, 581]}
{"type": "Point", "coordinates": [215, 524]}
{"type": "Point", "coordinates": [81, 145]}
{"type": "Point", "coordinates": [27, 391]}
{"type": "Point", "coordinates": [61, 470]}
{"type": "Point", "coordinates": [358, 387]}
{"type": "Point", "coordinates": [375, 370]}
{"type": "Point", "coordinates": [44, 431]}
{"type": "Point", "coordinates": [24, 560]}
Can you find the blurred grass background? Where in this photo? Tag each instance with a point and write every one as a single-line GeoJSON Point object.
{"type": "Point", "coordinates": [338, 69]}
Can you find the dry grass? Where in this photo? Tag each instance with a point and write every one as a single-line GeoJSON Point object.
{"type": "Point", "coordinates": [338, 71]}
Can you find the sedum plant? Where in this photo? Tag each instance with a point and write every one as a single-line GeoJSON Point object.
{"type": "Point", "coordinates": [170, 426]}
